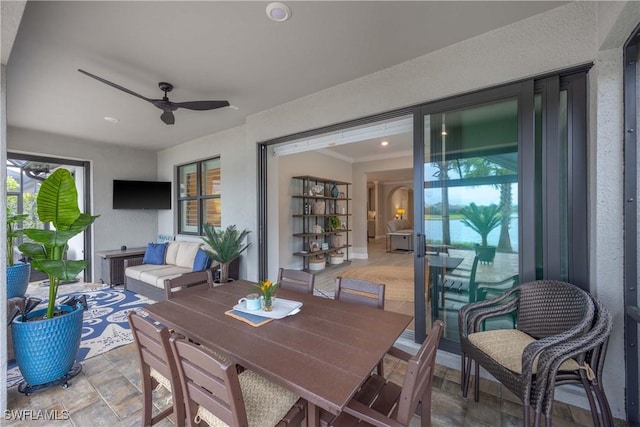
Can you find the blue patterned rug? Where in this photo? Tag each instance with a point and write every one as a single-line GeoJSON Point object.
{"type": "Point", "coordinates": [105, 325]}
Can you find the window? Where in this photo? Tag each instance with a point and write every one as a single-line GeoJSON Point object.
{"type": "Point", "coordinates": [199, 198]}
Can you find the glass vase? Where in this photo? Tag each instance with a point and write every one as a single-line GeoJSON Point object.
{"type": "Point", "coordinates": [267, 303]}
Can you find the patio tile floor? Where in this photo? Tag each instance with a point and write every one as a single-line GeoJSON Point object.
{"type": "Point", "coordinates": [108, 393]}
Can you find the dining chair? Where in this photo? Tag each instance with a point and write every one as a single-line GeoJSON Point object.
{"type": "Point", "coordinates": [548, 313]}
{"type": "Point", "coordinates": [217, 395]}
{"type": "Point", "coordinates": [588, 352]}
{"type": "Point", "coordinates": [360, 291]}
{"type": "Point", "coordinates": [363, 292]}
{"type": "Point", "coordinates": [157, 367]}
{"type": "Point", "coordinates": [380, 402]}
{"type": "Point", "coordinates": [296, 280]}
{"type": "Point", "coordinates": [192, 281]}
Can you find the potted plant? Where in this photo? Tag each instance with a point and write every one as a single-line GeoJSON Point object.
{"type": "Point", "coordinates": [17, 272]}
{"type": "Point", "coordinates": [226, 244]}
{"type": "Point", "coordinates": [334, 223]}
{"type": "Point", "coordinates": [482, 220]}
{"type": "Point", "coordinates": [47, 340]}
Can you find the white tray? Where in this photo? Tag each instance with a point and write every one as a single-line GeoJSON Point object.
{"type": "Point", "coordinates": [281, 308]}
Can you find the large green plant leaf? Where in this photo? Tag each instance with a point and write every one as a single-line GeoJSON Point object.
{"type": "Point", "coordinates": [58, 200]}
{"type": "Point", "coordinates": [60, 269]}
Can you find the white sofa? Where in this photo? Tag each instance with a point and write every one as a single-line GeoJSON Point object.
{"type": "Point", "coordinates": [400, 233]}
{"type": "Point", "coordinates": [148, 279]}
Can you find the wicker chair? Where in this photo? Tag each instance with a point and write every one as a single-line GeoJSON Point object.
{"type": "Point", "coordinates": [157, 366]}
{"type": "Point", "coordinates": [548, 313]}
{"type": "Point", "coordinates": [296, 280]}
{"type": "Point", "coordinates": [216, 394]}
{"type": "Point", "coordinates": [383, 403]}
{"type": "Point", "coordinates": [589, 351]}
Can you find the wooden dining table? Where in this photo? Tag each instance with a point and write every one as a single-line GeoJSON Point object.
{"type": "Point", "coordinates": [323, 353]}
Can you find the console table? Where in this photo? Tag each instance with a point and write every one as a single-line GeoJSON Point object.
{"type": "Point", "coordinates": [112, 264]}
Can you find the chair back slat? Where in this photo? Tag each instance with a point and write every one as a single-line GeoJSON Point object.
{"type": "Point", "coordinates": [209, 382]}
{"type": "Point", "coordinates": [360, 291]}
{"type": "Point", "coordinates": [194, 281]}
{"type": "Point", "coordinates": [152, 344]}
{"type": "Point", "coordinates": [417, 380]}
{"type": "Point", "coordinates": [296, 280]}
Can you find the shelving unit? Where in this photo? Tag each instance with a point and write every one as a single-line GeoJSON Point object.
{"type": "Point", "coordinates": [315, 209]}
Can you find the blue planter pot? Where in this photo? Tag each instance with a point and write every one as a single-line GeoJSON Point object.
{"type": "Point", "coordinates": [46, 349]}
{"type": "Point", "coordinates": [18, 279]}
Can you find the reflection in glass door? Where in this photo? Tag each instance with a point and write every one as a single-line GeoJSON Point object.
{"type": "Point", "coordinates": [470, 208]}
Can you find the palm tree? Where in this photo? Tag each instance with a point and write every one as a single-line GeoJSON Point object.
{"type": "Point", "coordinates": [481, 219]}
{"type": "Point", "coordinates": [480, 168]}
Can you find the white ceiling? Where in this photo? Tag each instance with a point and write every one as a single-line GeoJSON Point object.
{"type": "Point", "coordinates": [214, 50]}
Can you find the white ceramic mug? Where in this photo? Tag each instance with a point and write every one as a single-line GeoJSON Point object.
{"type": "Point", "coordinates": [251, 301]}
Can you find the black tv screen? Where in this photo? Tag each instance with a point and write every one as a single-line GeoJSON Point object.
{"type": "Point", "coordinates": [141, 194]}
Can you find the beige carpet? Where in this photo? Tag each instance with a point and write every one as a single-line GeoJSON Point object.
{"type": "Point", "coordinates": [398, 280]}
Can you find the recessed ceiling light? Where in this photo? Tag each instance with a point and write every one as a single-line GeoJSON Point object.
{"type": "Point", "coordinates": [384, 143]}
{"type": "Point", "coordinates": [278, 12]}
{"type": "Point", "coordinates": [111, 119]}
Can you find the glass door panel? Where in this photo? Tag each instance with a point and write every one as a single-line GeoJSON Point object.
{"type": "Point", "coordinates": [470, 207]}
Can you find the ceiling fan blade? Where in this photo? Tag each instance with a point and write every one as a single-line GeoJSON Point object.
{"type": "Point", "coordinates": [168, 118]}
{"type": "Point", "coordinates": [201, 105]}
{"type": "Point", "coordinates": [107, 82]}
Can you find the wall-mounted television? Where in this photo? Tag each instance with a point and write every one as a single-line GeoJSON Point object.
{"type": "Point", "coordinates": [141, 194]}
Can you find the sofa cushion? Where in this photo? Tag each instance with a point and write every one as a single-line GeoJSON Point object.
{"type": "Point", "coordinates": [201, 261]}
{"type": "Point", "coordinates": [187, 254]}
{"type": "Point", "coordinates": [172, 252]}
{"type": "Point", "coordinates": [154, 253]}
{"type": "Point", "coordinates": [135, 271]}
{"type": "Point", "coordinates": [156, 277]}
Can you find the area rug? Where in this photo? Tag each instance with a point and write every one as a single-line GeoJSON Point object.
{"type": "Point", "coordinates": [105, 325]}
{"type": "Point", "coordinates": [398, 280]}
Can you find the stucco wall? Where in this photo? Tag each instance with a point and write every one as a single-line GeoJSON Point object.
{"type": "Point", "coordinates": [238, 185]}
{"type": "Point", "coordinates": [114, 228]}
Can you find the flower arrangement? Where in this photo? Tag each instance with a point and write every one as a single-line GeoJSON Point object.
{"type": "Point", "coordinates": [267, 288]}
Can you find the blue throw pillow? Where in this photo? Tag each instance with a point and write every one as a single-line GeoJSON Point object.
{"type": "Point", "coordinates": [154, 253]}
{"type": "Point", "coordinates": [202, 261]}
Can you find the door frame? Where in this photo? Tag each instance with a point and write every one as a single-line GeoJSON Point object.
{"type": "Point", "coordinates": [86, 197]}
{"type": "Point", "coordinates": [630, 210]}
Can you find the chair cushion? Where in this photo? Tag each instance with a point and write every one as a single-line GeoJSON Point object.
{"type": "Point", "coordinates": [506, 346]}
{"type": "Point", "coordinates": [154, 253]}
{"type": "Point", "coordinates": [162, 380]}
{"type": "Point", "coordinates": [266, 403]}
{"type": "Point", "coordinates": [201, 261]}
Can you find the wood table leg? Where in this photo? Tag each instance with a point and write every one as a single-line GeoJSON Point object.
{"type": "Point", "coordinates": [313, 415]}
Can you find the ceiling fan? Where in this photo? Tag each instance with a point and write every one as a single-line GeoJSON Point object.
{"type": "Point", "coordinates": [164, 104]}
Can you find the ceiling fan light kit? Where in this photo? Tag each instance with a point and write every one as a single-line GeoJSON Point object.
{"type": "Point", "coordinates": [164, 104]}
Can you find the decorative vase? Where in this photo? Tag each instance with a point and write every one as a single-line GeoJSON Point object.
{"type": "Point", "coordinates": [267, 303]}
{"type": "Point", "coordinates": [18, 279]}
{"type": "Point", "coordinates": [46, 349]}
{"type": "Point", "coordinates": [334, 191]}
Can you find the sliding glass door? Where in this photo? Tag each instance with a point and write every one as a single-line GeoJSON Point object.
{"type": "Point", "coordinates": [470, 209]}
{"type": "Point", "coordinates": [501, 175]}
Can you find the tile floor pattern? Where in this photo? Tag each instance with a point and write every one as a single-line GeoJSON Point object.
{"type": "Point", "coordinates": [108, 393]}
